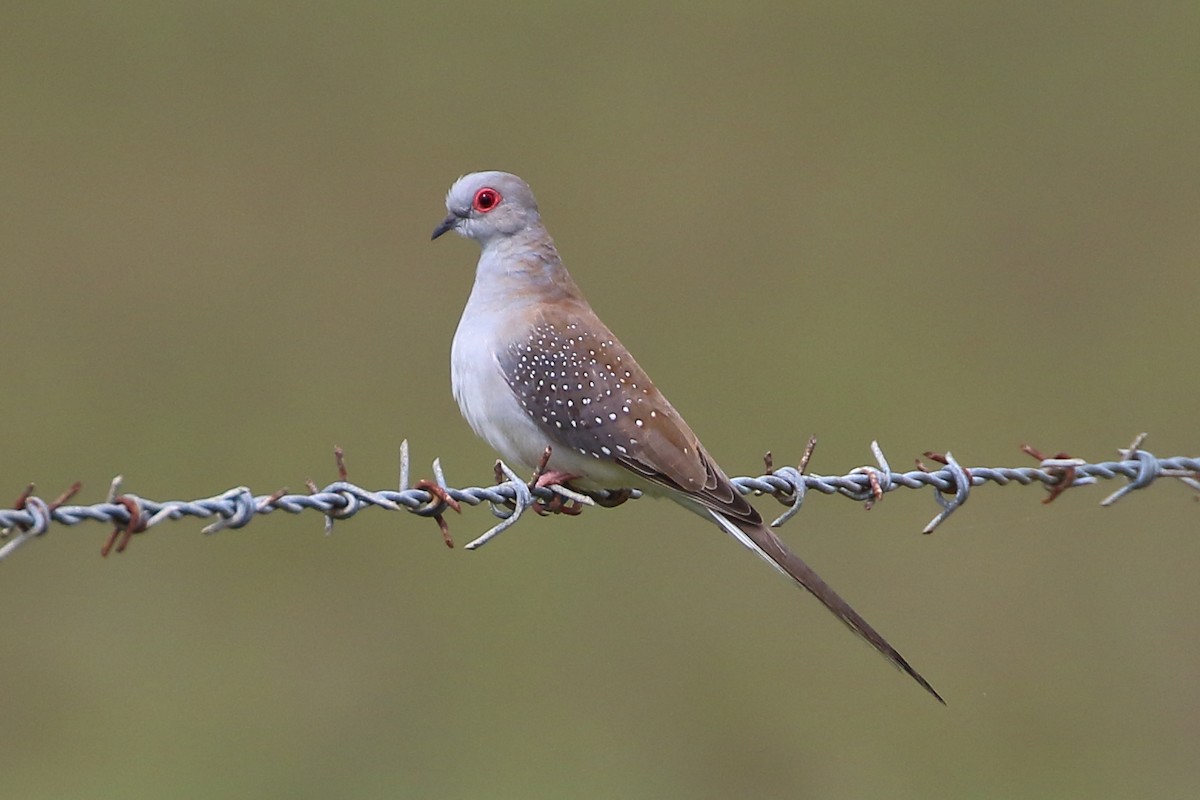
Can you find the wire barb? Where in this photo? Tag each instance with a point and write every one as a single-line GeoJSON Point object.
{"type": "Point", "coordinates": [31, 516]}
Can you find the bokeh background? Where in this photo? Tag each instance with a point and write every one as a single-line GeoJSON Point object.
{"type": "Point", "coordinates": [945, 226]}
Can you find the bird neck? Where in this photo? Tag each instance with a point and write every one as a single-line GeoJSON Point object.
{"type": "Point", "coordinates": [524, 266]}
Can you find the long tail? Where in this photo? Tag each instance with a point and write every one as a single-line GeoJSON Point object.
{"type": "Point", "coordinates": [771, 549]}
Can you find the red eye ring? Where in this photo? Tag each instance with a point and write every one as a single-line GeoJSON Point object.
{"type": "Point", "coordinates": [486, 199]}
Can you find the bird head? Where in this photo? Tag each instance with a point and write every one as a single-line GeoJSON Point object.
{"type": "Point", "coordinates": [486, 206]}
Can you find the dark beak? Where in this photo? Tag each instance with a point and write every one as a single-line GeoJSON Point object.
{"type": "Point", "coordinates": [448, 224]}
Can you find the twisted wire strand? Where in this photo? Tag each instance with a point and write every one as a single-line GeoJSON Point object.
{"type": "Point", "coordinates": [509, 499]}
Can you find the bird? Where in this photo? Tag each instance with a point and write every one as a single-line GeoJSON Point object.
{"type": "Point", "coordinates": [533, 367]}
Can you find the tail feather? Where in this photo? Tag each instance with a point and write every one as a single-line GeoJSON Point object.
{"type": "Point", "coordinates": [771, 549]}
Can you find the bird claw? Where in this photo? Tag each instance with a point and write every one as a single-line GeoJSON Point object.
{"type": "Point", "coordinates": [611, 498]}
{"type": "Point", "coordinates": [559, 503]}
{"type": "Point", "coordinates": [563, 502]}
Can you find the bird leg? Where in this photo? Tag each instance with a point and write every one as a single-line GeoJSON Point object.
{"type": "Point", "coordinates": [543, 477]}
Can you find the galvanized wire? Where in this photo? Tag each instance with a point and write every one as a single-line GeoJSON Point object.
{"type": "Point", "coordinates": [130, 514]}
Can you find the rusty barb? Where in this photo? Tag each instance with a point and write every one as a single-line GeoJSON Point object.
{"type": "Point", "coordinates": [511, 496]}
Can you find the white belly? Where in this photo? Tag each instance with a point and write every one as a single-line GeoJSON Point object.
{"type": "Point", "coordinates": [495, 414]}
{"type": "Point", "coordinates": [488, 404]}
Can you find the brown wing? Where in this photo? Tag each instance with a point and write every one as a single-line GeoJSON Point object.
{"type": "Point", "coordinates": [589, 394]}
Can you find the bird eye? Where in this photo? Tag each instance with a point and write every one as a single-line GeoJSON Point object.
{"type": "Point", "coordinates": [485, 200]}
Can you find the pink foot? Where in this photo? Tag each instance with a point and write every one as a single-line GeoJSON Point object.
{"type": "Point", "coordinates": [558, 504]}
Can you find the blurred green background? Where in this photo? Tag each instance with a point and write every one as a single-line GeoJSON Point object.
{"type": "Point", "coordinates": [945, 226]}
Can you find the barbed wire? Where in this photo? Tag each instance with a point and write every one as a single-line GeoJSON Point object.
{"type": "Point", "coordinates": [512, 496]}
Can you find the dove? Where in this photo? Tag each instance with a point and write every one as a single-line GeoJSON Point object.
{"type": "Point", "coordinates": [533, 367]}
